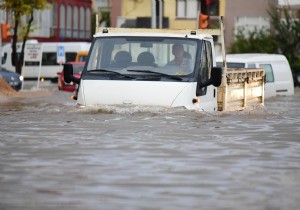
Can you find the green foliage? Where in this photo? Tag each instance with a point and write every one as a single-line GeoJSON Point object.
{"type": "Point", "coordinates": [23, 7]}
{"type": "Point", "coordinates": [105, 17]}
{"type": "Point", "coordinates": [257, 41]}
{"type": "Point", "coordinates": [284, 39]}
{"type": "Point", "coordinates": [287, 34]}
{"type": "Point", "coordinates": [17, 9]}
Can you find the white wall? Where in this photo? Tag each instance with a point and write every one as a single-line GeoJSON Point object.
{"type": "Point", "coordinates": [288, 2]}
{"type": "Point", "coordinates": [250, 24]}
{"type": "Point", "coordinates": [41, 23]}
{"type": "Point", "coordinates": [2, 16]}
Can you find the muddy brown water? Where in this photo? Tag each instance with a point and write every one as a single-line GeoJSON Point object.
{"type": "Point", "coordinates": [54, 155]}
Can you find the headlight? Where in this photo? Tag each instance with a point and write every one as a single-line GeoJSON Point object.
{"type": "Point", "coordinates": [21, 78]}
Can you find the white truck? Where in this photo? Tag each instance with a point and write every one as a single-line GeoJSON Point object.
{"type": "Point", "coordinates": [139, 67]}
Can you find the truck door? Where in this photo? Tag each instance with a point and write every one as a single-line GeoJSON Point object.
{"type": "Point", "coordinates": [205, 67]}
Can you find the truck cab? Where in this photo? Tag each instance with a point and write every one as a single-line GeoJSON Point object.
{"type": "Point", "coordinates": [140, 68]}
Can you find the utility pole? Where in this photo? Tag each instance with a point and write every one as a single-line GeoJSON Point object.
{"type": "Point", "coordinates": [153, 14]}
{"type": "Point", "coordinates": [157, 4]}
{"type": "Point", "coordinates": [160, 15]}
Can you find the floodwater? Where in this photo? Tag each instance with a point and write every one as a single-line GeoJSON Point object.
{"type": "Point", "coordinates": [54, 155]}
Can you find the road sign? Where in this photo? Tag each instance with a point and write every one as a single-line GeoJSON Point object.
{"type": "Point", "coordinates": [33, 52]}
{"type": "Point", "coordinates": [61, 55]}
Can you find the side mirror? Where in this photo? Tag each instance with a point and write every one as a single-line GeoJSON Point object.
{"type": "Point", "coordinates": [216, 76]}
{"type": "Point", "coordinates": [68, 74]}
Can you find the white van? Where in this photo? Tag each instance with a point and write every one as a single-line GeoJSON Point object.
{"type": "Point", "coordinates": [50, 67]}
{"type": "Point", "coordinates": [279, 79]}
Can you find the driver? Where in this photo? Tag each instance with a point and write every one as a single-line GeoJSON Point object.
{"type": "Point", "coordinates": [181, 64]}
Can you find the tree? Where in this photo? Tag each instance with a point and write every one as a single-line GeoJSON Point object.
{"type": "Point", "coordinates": [19, 8]}
{"type": "Point", "coordinates": [257, 41]}
{"type": "Point", "coordinates": [287, 34]}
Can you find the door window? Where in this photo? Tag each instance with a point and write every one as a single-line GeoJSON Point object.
{"type": "Point", "coordinates": [205, 66]}
{"type": "Point", "coordinates": [268, 71]}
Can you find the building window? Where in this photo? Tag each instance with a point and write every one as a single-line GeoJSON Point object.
{"type": "Point", "coordinates": [62, 21]}
{"type": "Point", "coordinates": [245, 25]}
{"type": "Point", "coordinates": [75, 22]}
{"type": "Point", "coordinates": [69, 22]}
{"type": "Point", "coordinates": [82, 22]}
{"type": "Point", "coordinates": [268, 71]}
{"type": "Point", "coordinates": [53, 14]}
{"type": "Point", "coordinates": [186, 8]}
{"type": "Point", "coordinates": [88, 23]}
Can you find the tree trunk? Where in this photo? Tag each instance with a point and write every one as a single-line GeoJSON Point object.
{"type": "Point", "coordinates": [14, 57]}
{"type": "Point", "coordinates": [21, 59]}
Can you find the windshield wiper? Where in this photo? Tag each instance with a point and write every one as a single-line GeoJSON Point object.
{"type": "Point", "coordinates": [158, 73]}
{"type": "Point", "coordinates": [110, 71]}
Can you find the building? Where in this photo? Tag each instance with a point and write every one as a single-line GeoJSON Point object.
{"type": "Point", "coordinates": [176, 14]}
{"type": "Point", "coordinates": [71, 20]}
{"type": "Point", "coordinates": [240, 15]}
{"type": "Point", "coordinates": [66, 20]}
{"type": "Point", "coordinates": [246, 16]}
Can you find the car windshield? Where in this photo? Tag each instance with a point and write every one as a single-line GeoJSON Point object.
{"type": "Point", "coordinates": [144, 56]}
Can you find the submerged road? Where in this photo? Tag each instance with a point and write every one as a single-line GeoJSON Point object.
{"type": "Point", "coordinates": [57, 156]}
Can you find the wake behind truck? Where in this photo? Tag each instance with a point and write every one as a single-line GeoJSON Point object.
{"type": "Point", "coordinates": [141, 67]}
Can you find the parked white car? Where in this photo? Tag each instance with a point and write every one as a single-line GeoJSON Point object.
{"type": "Point", "coordinates": [279, 79]}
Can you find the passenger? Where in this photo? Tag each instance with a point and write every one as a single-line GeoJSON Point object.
{"type": "Point", "coordinates": [181, 64]}
{"type": "Point", "coordinates": [146, 59]}
{"type": "Point", "coordinates": [122, 59]}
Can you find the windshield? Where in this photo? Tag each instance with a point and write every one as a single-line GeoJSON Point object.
{"type": "Point", "coordinates": [143, 57]}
